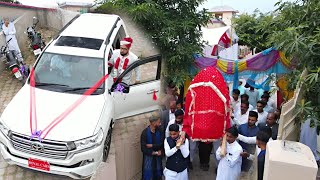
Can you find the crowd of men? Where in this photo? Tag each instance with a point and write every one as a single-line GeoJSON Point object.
{"type": "Point", "coordinates": [254, 122]}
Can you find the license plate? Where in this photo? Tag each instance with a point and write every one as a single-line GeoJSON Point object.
{"type": "Point", "coordinates": [39, 164]}
{"type": "Point", "coordinates": [37, 51]}
{"type": "Point", "coordinates": [17, 74]}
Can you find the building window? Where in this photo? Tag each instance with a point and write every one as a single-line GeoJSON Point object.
{"type": "Point", "coordinates": [218, 15]}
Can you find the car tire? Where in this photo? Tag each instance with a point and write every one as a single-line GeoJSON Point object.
{"type": "Point", "coordinates": [106, 145]}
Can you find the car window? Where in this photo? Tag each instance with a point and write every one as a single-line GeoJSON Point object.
{"type": "Point", "coordinates": [71, 71]}
{"type": "Point", "coordinates": [121, 34]}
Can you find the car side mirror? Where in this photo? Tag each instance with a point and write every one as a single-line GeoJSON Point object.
{"type": "Point", "coordinates": [120, 87]}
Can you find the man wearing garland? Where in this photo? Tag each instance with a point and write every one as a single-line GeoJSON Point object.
{"type": "Point", "coordinates": [121, 59]}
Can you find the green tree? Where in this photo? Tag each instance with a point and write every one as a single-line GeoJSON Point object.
{"type": "Point", "coordinates": [173, 25]}
{"type": "Point", "coordinates": [251, 29]}
{"type": "Point", "coordinates": [298, 35]}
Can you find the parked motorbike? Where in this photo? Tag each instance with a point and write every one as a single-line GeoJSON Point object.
{"type": "Point", "coordinates": [20, 70]}
{"type": "Point", "coordinates": [37, 44]}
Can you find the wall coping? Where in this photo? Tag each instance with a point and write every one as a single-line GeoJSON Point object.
{"type": "Point", "coordinates": [25, 6]}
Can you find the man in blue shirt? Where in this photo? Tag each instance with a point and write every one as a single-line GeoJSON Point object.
{"type": "Point", "coordinates": [248, 129]}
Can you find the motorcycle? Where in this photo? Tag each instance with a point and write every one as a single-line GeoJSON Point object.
{"type": "Point", "coordinates": [37, 44]}
{"type": "Point", "coordinates": [20, 70]}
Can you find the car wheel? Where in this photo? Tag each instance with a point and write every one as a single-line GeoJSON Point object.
{"type": "Point", "coordinates": [106, 146]}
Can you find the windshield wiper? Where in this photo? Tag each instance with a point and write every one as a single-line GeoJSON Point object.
{"type": "Point", "coordinates": [80, 88]}
{"type": "Point", "coordinates": [50, 84]}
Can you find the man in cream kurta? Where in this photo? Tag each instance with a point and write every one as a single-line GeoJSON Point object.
{"type": "Point", "coordinates": [10, 33]}
{"type": "Point", "coordinates": [121, 59]}
{"type": "Point", "coordinates": [229, 167]}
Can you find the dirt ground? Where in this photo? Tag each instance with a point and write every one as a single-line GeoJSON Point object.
{"type": "Point", "coordinates": [47, 36]}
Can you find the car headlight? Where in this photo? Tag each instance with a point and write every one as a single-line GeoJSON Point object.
{"type": "Point", "coordinates": [90, 142]}
{"type": "Point", "coordinates": [4, 129]}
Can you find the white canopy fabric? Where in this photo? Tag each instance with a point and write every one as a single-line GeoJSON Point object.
{"type": "Point", "coordinates": [212, 36]}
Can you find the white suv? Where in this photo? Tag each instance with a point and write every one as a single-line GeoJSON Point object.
{"type": "Point", "coordinates": [70, 64]}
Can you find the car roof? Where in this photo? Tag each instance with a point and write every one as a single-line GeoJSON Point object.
{"type": "Point", "coordinates": [91, 25]}
{"type": "Point", "coordinates": [86, 26]}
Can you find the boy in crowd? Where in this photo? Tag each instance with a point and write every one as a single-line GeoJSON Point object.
{"type": "Point", "coordinates": [180, 105]}
{"type": "Point", "coordinates": [235, 100]}
{"type": "Point", "coordinates": [262, 140]}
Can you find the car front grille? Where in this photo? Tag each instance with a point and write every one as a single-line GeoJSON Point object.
{"type": "Point", "coordinates": [46, 148]}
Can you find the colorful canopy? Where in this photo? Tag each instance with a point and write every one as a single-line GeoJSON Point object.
{"type": "Point", "coordinates": [266, 62]}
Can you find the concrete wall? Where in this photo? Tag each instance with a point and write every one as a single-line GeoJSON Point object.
{"type": "Point", "coordinates": [52, 19]}
{"type": "Point", "coordinates": [125, 157]}
{"type": "Point", "coordinates": [55, 19]}
{"type": "Point", "coordinates": [76, 8]}
{"type": "Point", "coordinates": [23, 19]}
{"type": "Point", "coordinates": [142, 46]}
{"type": "Point", "coordinates": [227, 17]}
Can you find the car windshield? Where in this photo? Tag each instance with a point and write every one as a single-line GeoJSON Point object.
{"type": "Point", "coordinates": [70, 74]}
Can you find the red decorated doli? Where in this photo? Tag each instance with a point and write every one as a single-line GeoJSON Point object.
{"type": "Point", "coordinates": [207, 106]}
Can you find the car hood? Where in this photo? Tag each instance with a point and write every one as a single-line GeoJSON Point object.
{"type": "Point", "coordinates": [79, 124]}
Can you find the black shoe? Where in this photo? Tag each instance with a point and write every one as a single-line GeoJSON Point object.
{"type": "Point", "coordinates": [205, 167]}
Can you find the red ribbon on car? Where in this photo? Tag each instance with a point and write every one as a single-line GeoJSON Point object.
{"type": "Point", "coordinates": [57, 120]}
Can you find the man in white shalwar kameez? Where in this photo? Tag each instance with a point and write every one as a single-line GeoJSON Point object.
{"type": "Point", "coordinates": [10, 33]}
{"type": "Point", "coordinates": [308, 136]}
{"type": "Point", "coordinates": [177, 151]}
{"type": "Point", "coordinates": [229, 167]}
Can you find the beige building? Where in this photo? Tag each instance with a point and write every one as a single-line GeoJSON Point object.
{"type": "Point", "coordinates": [76, 6]}
{"type": "Point", "coordinates": [222, 15]}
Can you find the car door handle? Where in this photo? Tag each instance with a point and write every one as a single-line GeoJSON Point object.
{"type": "Point", "coordinates": [151, 91]}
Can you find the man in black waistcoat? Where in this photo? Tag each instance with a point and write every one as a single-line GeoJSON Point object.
{"type": "Point", "coordinates": [177, 151]}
